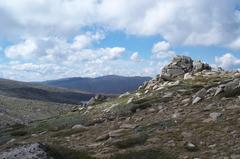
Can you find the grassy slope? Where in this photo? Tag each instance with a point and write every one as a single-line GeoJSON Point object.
{"type": "Point", "coordinates": [163, 131]}
{"type": "Point", "coordinates": [41, 92]}
{"type": "Point", "coordinates": [16, 110]}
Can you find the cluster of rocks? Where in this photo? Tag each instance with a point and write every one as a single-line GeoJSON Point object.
{"type": "Point", "coordinates": [231, 88]}
{"type": "Point", "coordinates": [181, 65]}
{"type": "Point", "coordinates": [123, 130]}
{"type": "Point", "coordinates": [184, 68]}
{"type": "Point", "coordinates": [97, 99]}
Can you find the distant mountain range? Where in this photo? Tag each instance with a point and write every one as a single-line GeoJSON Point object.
{"type": "Point", "coordinates": [110, 84]}
{"type": "Point", "coordinates": [35, 91]}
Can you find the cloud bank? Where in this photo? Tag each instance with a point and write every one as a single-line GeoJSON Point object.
{"type": "Point", "coordinates": [57, 38]}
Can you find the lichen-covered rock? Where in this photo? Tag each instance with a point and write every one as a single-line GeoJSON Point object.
{"type": "Point", "coordinates": [181, 65]}
{"type": "Point", "coordinates": [29, 151]}
{"type": "Point", "coordinates": [199, 66]}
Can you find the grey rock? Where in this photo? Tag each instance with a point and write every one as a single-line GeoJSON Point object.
{"type": "Point", "coordinates": [128, 126]}
{"type": "Point", "coordinates": [118, 133]}
{"type": "Point", "coordinates": [215, 116]}
{"type": "Point", "coordinates": [168, 95]}
{"type": "Point", "coordinates": [196, 100]}
{"type": "Point", "coordinates": [219, 90]}
{"type": "Point", "coordinates": [96, 99]}
{"type": "Point", "coordinates": [80, 127]}
{"type": "Point", "coordinates": [29, 151]}
{"type": "Point", "coordinates": [181, 65]}
{"type": "Point", "coordinates": [208, 107]}
{"type": "Point", "coordinates": [231, 85]}
{"type": "Point", "coordinates": [198, 66]}
{"type": "Point", "coordinates": [102, 137]}
{"type": "Point", "coordinates": [201, 93]}
{"type": "Point", "coordinates": [188, 76]}
{"type": "Point", "coordinates": [186, 101]}
{"type": "Point", "coordinates": [130, 100]}
{"type": "Point", "coordinates": [91, 101]}
{"type": "Point", "coordinates": [190, 146]}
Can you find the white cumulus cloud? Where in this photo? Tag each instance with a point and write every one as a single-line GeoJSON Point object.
{"type": "Point", "coordinates": [24, 49]}
{"type": "Point", "coordinates": [135, 56]}
{"type": "Point", "coordinates": [162, 50]}
{"type": "Point", "coordinates": [188, 22]}
{"type": "Point", "coordinates": [228, 61]}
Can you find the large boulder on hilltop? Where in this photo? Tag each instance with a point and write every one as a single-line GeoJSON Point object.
{"type": "Point", "coordinates": [181, 65]}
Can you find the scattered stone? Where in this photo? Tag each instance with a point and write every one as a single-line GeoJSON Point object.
{"type": "Point", "coordinates": [212, 146]}
{"type": "Point", "coordinates": [146, 92]}
{"type": "Point", "coordinates": [174, 83]}
{"type": "Point", "coordinates": [196, 100]}
{"type": "Point", "coordinates": [80, 127]}
{"type": "Point", "coordinates": [138, 94]}
{"type": "Point", "coordinates": [215, 116]}
{"type": "Point", "coordinates": [118, 133]}
{"type": "Point", "coordinates": [208, 107]}
{"type": "Point", "coordinates": [188, 76]}
{"type": "Point", "coordinates": [175, 115]}
{"type": "Point", "coordinates": [128, 126]}
{"type": "Point", "coordinates": [91, 101]}
{"type": "Point", "coordinates": [130, 100]}
{"type": "Point", "coordinates": [110, 108]}
{"type": "Point", "coordinates": [190, 146]}
{"type": "Point", "coordinates": [168, 95]}
{"type": "Point", "coordinates": [237, 75]}
{"type": "Point", "coordinates": [97, 99]}
{"type": "Point", "coordinates": [89, 108]}
{"type": "Point", "coordinates": [186, 101]}
{"type": "Point", "coordinates": [208, 120]}
{"type": "Point", "coordinates": [10, 141]}
{"type": "Point", "coordinates": [201, 93]}
{"type": "Point", "coordinates": [102, 137]}
{"type": "Point", "coordinates": [155, 87]}
{"type": "Point", "coordinates": [151, 110]}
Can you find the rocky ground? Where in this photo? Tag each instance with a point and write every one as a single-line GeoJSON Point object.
{"type": "Point", "coordinates": [189, 111]}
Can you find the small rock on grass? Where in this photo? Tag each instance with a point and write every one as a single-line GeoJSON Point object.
{"type": "Point", "coordinates": [196, 100]}
{"type": "Point", "coordinates": [80, 127]}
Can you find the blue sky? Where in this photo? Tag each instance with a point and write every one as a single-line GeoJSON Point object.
{"type": "Point", "coordinates": [43, 40]}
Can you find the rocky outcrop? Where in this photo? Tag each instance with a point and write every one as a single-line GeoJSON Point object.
{"type": "Point", "coordinates": [181, 65]}
{"type": "Point", "coordinates": [181, 68]}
